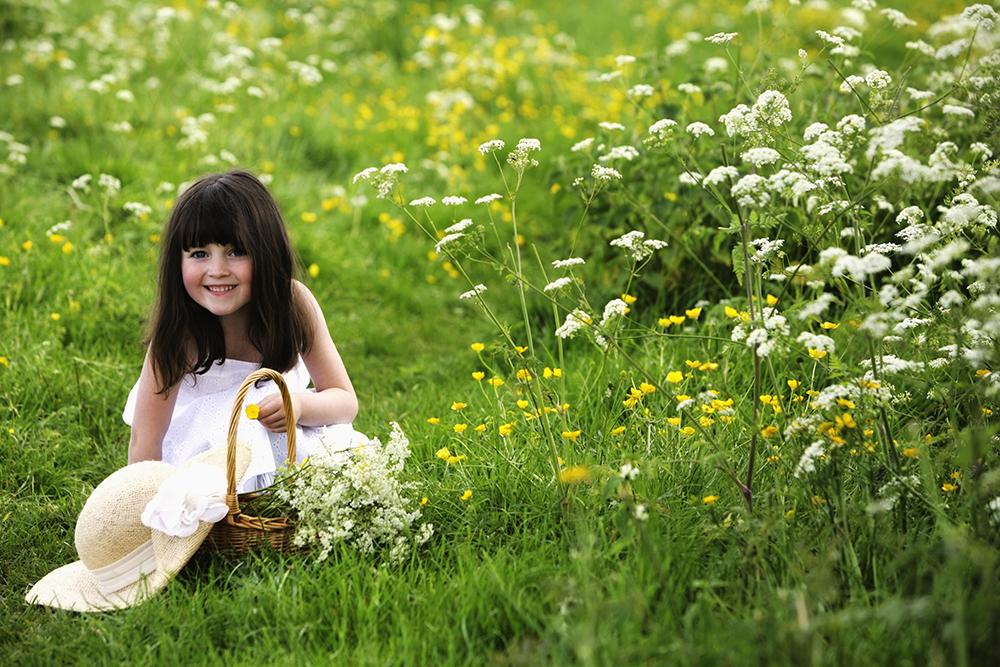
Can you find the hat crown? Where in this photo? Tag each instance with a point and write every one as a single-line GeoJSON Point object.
{"type": "Point", "coordinates": [110, 527]}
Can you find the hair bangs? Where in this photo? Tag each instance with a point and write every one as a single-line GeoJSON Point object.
{"type": "Point", "coordinates": [214, 220]}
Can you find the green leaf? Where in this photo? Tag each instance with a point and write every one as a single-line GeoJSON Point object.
{"type": "Point", "coordinates": [738, 266]}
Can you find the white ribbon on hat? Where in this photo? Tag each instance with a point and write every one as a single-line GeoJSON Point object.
{"type": "Point", "coordinates": [126, 570]}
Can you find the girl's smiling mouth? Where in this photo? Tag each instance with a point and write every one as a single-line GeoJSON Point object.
{"type": "Point", "coordinates": [220, 289]}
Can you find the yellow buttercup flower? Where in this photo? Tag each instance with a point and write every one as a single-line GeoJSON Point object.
{"type": "Point", "coordinates": [433, 421]}
{"type": "Point", "coordinates": [55, 317]}
{"type": "Point", "coordinates": [551, 373]}
{"type": "Point", "coordinates": [710, 500]}
{"type": "Point", "coordinates": [981, 373]}
{"type": "Point", "coordinates": [731, 312]}
{"type": "Point", "coordinates": [948, 487]}
{"type": "Point", "coordinates": [688, 431]}
{"type": "Point", "coordinates": [571, 435]}
{"type": "Point", "coordinates": [4, 260]}
{"type": "Point", "coordinates": [693, 313]}
{"type": "Point", "coordinates": [313, 270]}
{"type": "Point", "coordinates": [467, 494]}
{"type": "Point", "coordinates": [769, 431]}
{"type": "Point", "coordinates": [520, 349]}
{"type": "Point", "coordinates": [629, 299]}
{"type": "Point", "coordinates": [524, 375]}
{"type": "Point", "coordinates": [252, 411]}
{"type": "Point", "coordinates": [477, 347]}
{"type": "Point", "coordinates": [444, 453]}
{"type": "Point", "coordinates": [457, 406]}
{"type": "Point", "coordinates": [574, 475]}
{"type": "Point", "coordinates": [67, 248]}
{"type": "Point", "coordinates": [674, 377]}
{"type": "Point", "coordinates": [646, 388]}
{"type": "Point", "coordinates": [771, 299]}
{"type": "Point", "coordinates": [460, 428]}
{"type": "Point", "coordinates": [496, 382]}
{"type": "Point", "coordinates": [5, 362]}
{"type": "Point", "coordinates": [677, 319]}
{"type": "Point", "coordinates": [423, 501]}
{"type": "Point", "coordinates": [452, 460]}
{"type": "Point", "coordinates": [674, 421]}
{"type": "Point", "coordinates": [816, 354]}
{"type": "Point", "coordinates": [479, 428]}
{"type": "Point", "coordinates": [506, 429]}
{"type": "Point", "coordinates": [911, 452]}
{"type": "Point", "coordinates": [521, 403]}
{"type": "Point", "coordinates": [618, 430]}
{"type": "Point", "coordinates": [478, 375]}
{"type": "Point", "coordinates": [664, 322]}
{"type": "Point", "coordinates": [793, 384]}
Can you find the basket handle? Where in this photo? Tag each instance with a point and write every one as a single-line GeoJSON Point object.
{"type": "Point", "coordinates": [234, 420]}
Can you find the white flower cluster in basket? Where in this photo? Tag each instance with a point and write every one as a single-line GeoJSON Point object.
{"type": "Point", "coordinates": [355, 497]}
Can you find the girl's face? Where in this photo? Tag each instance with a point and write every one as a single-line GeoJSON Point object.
{"type": "Point", "coordinates": [218, 278]}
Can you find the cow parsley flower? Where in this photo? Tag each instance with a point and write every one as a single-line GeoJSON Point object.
{"type": "Point", "coordinates": [566, 263]}
{"type": "Point", "coordinates": [611, 127]}
{"type": "Point", "coordinates": [491, 146]}
{"type": "Point", "coordinates": [722, 37]}
{"type": "Point", "coordinates": [807, 463]}
{"type": "Point", "coordinates": [760, 157]}
{"type": "Point", "coordinates": [558, 284]}
{"type": "Point", "coordinates": [459, 226]}
{"type": "Point", "coordinates": [771, 108]}
{"type": "Point", "coordinates": [520, 158]}
{"type": "Point", "coordinates": [473, 293]}
{"type": "Point", "coordinates": [453, 201]}
{"type": "Point", "coordinates": [698, 129]}
{"type": "Point", "coordinates": [640, 90]}
{"type": "Point", "coordinates": [619, 153]}
{"type": "Point", "coordinates": [575, 321]}
{"type": "Point", "coordinates": [605, 174]}
{"type": "Point", "coordinates": [446, 240]}
{"type": "Point", "coordinates": [582, 145]}
{"type": "Point", "coordinates": [423, 201]}
{"type": "Point", "coordinates": [489, 199]}
{"type": "Point", "coordinates": [637, 246]}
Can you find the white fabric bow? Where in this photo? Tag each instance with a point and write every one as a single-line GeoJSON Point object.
{"type": "Point", "coordinates": [198, 493]}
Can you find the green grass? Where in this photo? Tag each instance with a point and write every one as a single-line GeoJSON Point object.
{"type": "Point", "coordinates": [529, 570]}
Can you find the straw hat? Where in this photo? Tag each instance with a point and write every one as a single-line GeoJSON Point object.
{"type": "Point", "coordinates": [123, 561]}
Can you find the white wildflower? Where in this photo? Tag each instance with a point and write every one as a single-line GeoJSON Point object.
{"type": "Point", "coordinates": [699, 129]}
{"type": "Point", "coordinates": [721, 37]}
{"type": "Point", "coordinates": [558, 284]}
{"type": "Point", "coordinates": [491, 146]}
{"type": "Point", "coordinates": [453, 201]}
{"type": "Point", "coordinates": [566, 263]}
{"type": "Point", "coordinates": [473, 293]}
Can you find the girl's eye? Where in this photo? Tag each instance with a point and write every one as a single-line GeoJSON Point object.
{"type": "Point", "coordinates": [197, 254]}
{"type": "Point", "coordinates": [237, 252]}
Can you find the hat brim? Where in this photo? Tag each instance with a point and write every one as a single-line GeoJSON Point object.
{"type": "Point", "coordinates": [73, 587]}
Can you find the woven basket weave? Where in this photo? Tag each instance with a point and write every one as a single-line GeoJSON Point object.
{"type": "Point", "coordinates": [240, 533]}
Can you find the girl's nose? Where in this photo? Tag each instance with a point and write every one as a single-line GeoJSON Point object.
{"type": "Point", "coordinates": [218, 266]}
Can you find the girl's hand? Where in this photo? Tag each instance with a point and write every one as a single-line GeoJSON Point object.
{"type": "Point", "coordinates": [272, 412]}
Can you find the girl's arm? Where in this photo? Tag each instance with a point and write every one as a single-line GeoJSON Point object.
{"type": "Point", "coordinates": [334, 400]}
{"type": "Point", "coordinates": [152, 417]}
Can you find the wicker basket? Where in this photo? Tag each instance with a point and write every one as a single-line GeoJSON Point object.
{"type": "Point", "coordinates": [239, 533]}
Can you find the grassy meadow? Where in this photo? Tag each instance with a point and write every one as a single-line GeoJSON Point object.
{"type": "Point", "coordinates": [689, 311]}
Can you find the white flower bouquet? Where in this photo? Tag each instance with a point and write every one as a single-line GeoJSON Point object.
{"type": "Point", "coordinates": [356, 498]}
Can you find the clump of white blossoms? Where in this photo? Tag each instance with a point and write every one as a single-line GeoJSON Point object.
{"type": "Point", "coordinates": [356, 498]}
{"type": "Point", "coordinates": [383, 180]}
{"type": "Point", "coordinates": [491, 146]}
{"type": "Point", "coordinates": [637, 246]}
{"type": "Point", "coordinates": [575, 321]}
{"type": "Point", "coordinates": [520, 158]}
{"type": "Point", "coordinates": [605, 174]}
{"type": "Point", "coordinates": [473, 293]}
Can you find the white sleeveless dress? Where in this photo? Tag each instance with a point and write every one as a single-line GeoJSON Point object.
{"type": "Point", "coordinates": [200, 421]}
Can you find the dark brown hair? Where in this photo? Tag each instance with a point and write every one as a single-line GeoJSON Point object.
{"type": "Point", "coordinates": [231, 208]}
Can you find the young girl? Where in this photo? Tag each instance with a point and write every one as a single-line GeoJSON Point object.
{"type": "Point", "coordinates": [227, 305]}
